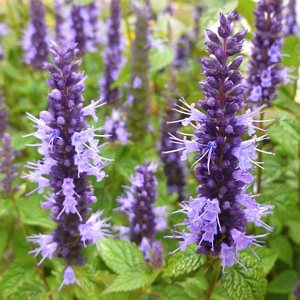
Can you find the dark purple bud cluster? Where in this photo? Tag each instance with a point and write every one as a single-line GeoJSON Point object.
{"type": "Point", "coordinates": [35, 39]}
{"type": "Point", "coordinates": [92, 10]}
{"type": "Point", "coordinates": [291, 26]}
{"type": "Point", "coordinates": [217, 217]}
{"type": "Point", "coordinates": [174, 168]}
{"type": "Point", "coordinates": [182, 51]}
{"type": "Point", "coordinates": [265, 71]}
{"type": "Point", "coordinates": [3, 115]}
{"type": "Point", "coordinates": [197, 12]}
{"type": "Point", "coordinates": [71, 154]}
{"type": "Point", "coordinates": [137, 202]}
{"type": "Point", "coordinates": [112, 56]}
{"type": "Point", "coordinates": [138, 97]}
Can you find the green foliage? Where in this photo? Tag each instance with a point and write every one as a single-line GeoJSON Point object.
{"type": "Point", "coordinates": [248, 283]}
{"type": "Point", "coordinates": [120, 255]}
{"type": "Point", "coordinates": [284, 282]}
{"type": "Point", "coordinates": [184, 262]}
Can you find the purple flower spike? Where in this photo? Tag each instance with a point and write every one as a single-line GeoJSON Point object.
{"type": "Point", "coordinates": [291, 27]}
{"type": "Point", "coordinates": [112, 56]}
{"type": "Point", "coordinates": [265, 71]}
{"type": "Point", "coordinates": [145, 220]}
{"type": "Point", "coordinates": [35, 39]}
{"type": "Point", "coordinates": [71, 152]}
{"type": "Point", "coordinates": [182, 51]}
{"type": "Point", "coordinates": [217, 217]}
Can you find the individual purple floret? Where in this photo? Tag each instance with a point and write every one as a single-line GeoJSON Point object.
{"type": "Point", "coordinates": [138, 97]}
{"type": "Point", "coordinates": [182, 51]}
{"type": "Point", "coordinates": [291, 27]}
{"type": "Point", "coordinates": [112, 56]}
{"type": "Point", "coordinates": [144, 219]}
{"type": "Point", "coordinates": [35, 39]}
{"type": "Point", "coordinates": [174, 168]}
{"type": "Point", "coordinates": [217, 217]}
{"type": "Point", "coordinates": [71, 153]}
{"type": "Point", "coordinates": [115, 127]}
{"type": "Point", "coordinates": [265, 71]}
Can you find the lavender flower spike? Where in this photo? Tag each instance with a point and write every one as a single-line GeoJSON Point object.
{"type": "Point", "coordinates": [35, 39]}
{"type": "Point", "coordinates": [112, 56]}
{"type": "Point", "coordinates": [291, 27]}
{"type": "Point", "coordinates": [144, 219]}
{"type": "Point", "coordinates": [139, 82]}
{"type": "Point", "coordinates": [265, 71]}
{"type": "Point", "coordinates": [217, 217]}
{"type": "Point", "coordinates": [71, 152]}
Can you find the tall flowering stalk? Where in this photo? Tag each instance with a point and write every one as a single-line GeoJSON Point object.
{"type": "Point", "coordinates": [174, 169]}
{"type": "Point", "coordinates": [265, 71]}
{"type": "Point", "coordinates": [182, 51]}
{"type": "Point", "coordinates": [144, 219]}
{"type": "Point", "coordinates": [59, 21]}
{"type": "Point", "coordinates": [112, 56]}
{"type": "Point", "coordinates": [35, 39]}
{"type": "Point", "coordinates": [139, 81]}
{"type": "Point", "coordinates": [291, 27]}
{"type": "Point", "coordinates": [70, 152]}
{"type": "Point", "coordinates": [218, 216]}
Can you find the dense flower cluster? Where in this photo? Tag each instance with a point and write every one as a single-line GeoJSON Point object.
{"type": "Point", "coordinates": [35, 39]}
{"type": "Point", "coordinates": [112, 56]}
{"type": "Point", "coordinates": [139, 82]}
{"type": "Point", "coordinates": [217, 217]}
{"type": "Point", "coordinates": [173, 166]}
{"type": "Point", "coordinates": [70, 152]}
{"type": "Point", "coordinates": [265, 72]}
{"type": "Point", "coordinates": [182, 51]}
{"type": "Point", "coordinates": [291, 26]}
{"type": "Point", "coordinates": [144, 219]}
{"type": "Point", "coordinates": [115, 127]}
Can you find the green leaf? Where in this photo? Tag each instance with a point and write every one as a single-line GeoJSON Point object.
{"type": "Point", "coordinates": [17, 273]}
{"type": "Point", "coordinates": [268, 257]}
{"type": "Point", "coordinates": [194, 287]}
{"type": "Point", "coordinates": [184, 262]}
{"type": "Point", "coordinates": [136, 277]}
{"type": "Point", "coordinates": [120, 255]}
{"type": "Point", "coordinates": [245, 284]}
{"type": "Point", "coordinates": [160, 58]}
{"type": "Point", "coordinates": [282, 244]}
{"type": "Point", "coordinates": [245, 8]}
{"type": "Point", "coordinates": [3, 239]}
{"type": "Point", "coordinates": [289, 124]}
{"type": "Point", "coordinates": [219, 294]}
{"type": "Point", "coordinates": [168, 22]}
{"type": "Point", "coordinates": [284, 282]}
{"type": "Point", "coordinates": [174, 292]}
{"type": "Point", "coordinates": [30, 289]}
{"type": "Point", "coordinates": [123, 77]}
{"type": "Point", "coordinates": [294, 231]}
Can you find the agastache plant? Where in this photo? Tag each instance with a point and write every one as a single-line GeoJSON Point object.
{"type": "Point", "coordinates": [112, 56]}
{"type": "Point", "coordinates": [35, 39]}
{"type": "Point", "coordinates": [71, 153]}
{"type": "Point", "coordinates": [291, 26]}
{"type": "Point", "coordinates": [144, 219]}
{"type": "Point", "coordinates": [217, 218]}
{"type": "Point", "coordinates": [138, 98]}
{"type": "Point", "coordinates": [265, 71]}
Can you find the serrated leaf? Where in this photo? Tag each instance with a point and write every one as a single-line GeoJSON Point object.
{"type": "Point", "coordinates": [18, 272]}
{"type": "Point", "coordinates": [219, 294]}
{"type": "Point", "coordinates": [31, 289]}
{"type": "Point", "coordinates": [194, 287]}
{"type": "Point", "coordinates": [282, 244]}
{"type": "Point", "coordinates": [245, 284]}
{"type": "Point", "coordinates": [268, 257]}
{"type": "Point", "coordinates": [136, 277]}
{"type": "Point", "coordinates": [120, 255]}
{"type": "Point", "coordinates": [123, 77]}
{"type": "Point", "coordinates": [289, 123]}
{"type": "Point", "coordinates": [160, 58]}
{"type": "Point", "coordinates": [174, 292]}
{"type": "Point", "coordinates": [284, 282]}
{"type": "Point", "coordinates": [294, 231]}
{"type": "Point", "coordinates": [184, 262]}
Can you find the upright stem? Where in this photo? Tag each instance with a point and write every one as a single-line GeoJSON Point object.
{"type": "Point", "coordinates": [127, 25]}
{"type": "Point", "coordinates": [260, 157]}
{"type": "Point", "coordinates": [215, 276]}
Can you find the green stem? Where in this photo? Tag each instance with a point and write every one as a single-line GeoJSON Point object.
{"type": "Point", "coordinates": [127, 25]}
{"type": "Point", "coordinates": [215, 277]}
{"type": "Point", "coordinates": [260, 157]}
{"type": "Point", "coordinates": [298, 175]}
